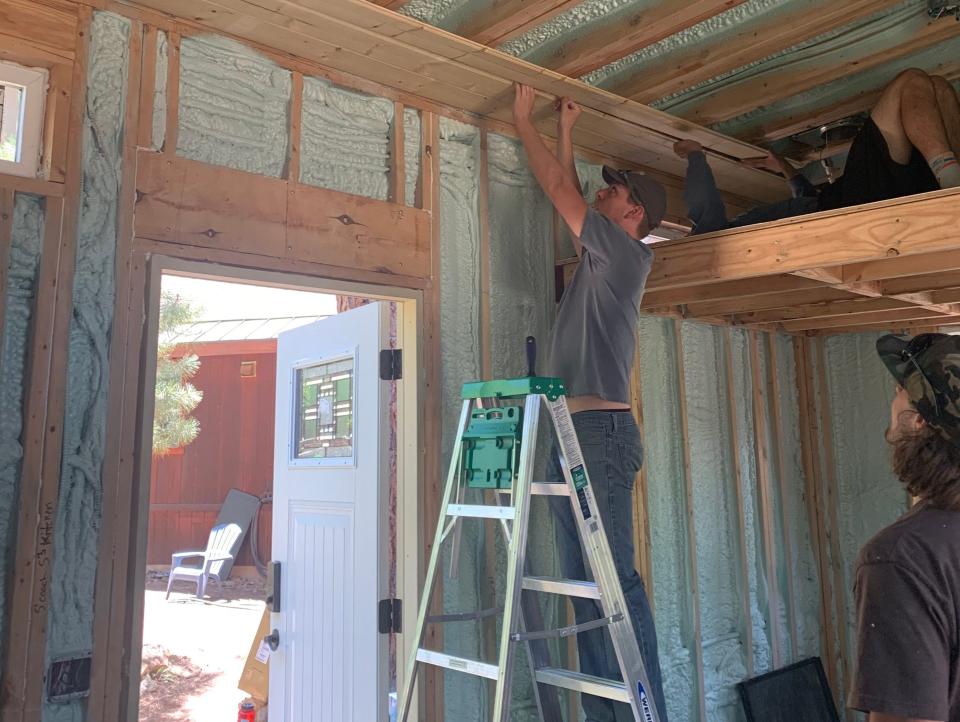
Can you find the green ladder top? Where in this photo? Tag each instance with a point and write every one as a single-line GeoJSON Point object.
{"type": "Point", "coordinates": [552, 388]}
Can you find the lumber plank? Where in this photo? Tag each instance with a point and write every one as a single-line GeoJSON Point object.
{"type": "Point", "coordinates": [752, 40]}
{"type": "Point", "coordinates": [44, 408]}
{"type": "Point", "coordinates": [831, 503]}
{"type": "Point", "coordinates": [891, 319]}
{"type": "Point", "coordinates": [189, 202]}
{"type": "Point", "coordinates": [829, 309]}
{"type": "Point", "coordinates": [690, 518]}
{"type": "Point", "coordinates": [35, 186]}
{"type": "Point", "coordinates": [779, 123]}
{"type": "Point", "coordinates": [507, 19]}
{"type": "Point", "coordinates": [746, 614]}
{"type": "Point", "coordinates": [765, 502]}
{"type": "Point", "coordinates": [110, 639]}
{"type": "Point", "coordinates": [398, 177]}
{"type": "Point", "coordinates": [812, 473]}
{"type": "Point", "coordinates": [432, 684]}
{"type": "Point", "coordinates": [296, 119]}
{"type": "Point", "coordinates": [786, 510]}
{"type": "Point", "coordinates": [918, 224]}
{"type": "Point", "coordinates": [48, 28]}
{"type": "Point", "coordinates": [7, 200]}
{"type": "Point", "coordinates": [622, 35]}
{"type": "Point", "coordinates": [803, 70]}
{"type": "Point", "coordinates": [356, 37]}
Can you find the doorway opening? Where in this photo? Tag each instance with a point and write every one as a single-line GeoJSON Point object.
{"type": "Point", "coordinates": [218, 452]}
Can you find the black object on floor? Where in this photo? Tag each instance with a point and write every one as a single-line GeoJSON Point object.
{"type": "Point", "coordinates": [798, 693]}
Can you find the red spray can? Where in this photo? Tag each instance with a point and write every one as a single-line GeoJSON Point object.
{"type": "Point", "coordinates": [247, 713]}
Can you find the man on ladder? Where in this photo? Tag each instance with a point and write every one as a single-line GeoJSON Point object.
{"type": "Point", "coordinates": [593, 352]}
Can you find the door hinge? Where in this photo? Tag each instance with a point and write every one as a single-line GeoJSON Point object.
{"type": "Point", "coordinates": [391, 364]}
{"type": "Point", "coordinates": [390, 616]}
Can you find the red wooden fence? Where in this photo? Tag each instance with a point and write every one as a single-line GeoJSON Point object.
{"type": "Point", "coordinates": [233, 450]}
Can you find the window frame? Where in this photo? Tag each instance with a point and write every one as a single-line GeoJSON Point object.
{"type": "Point", "coordinates": [34, 83]}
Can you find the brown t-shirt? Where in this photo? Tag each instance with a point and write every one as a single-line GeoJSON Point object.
{"type": "Point", "coordinates": [908, 602]}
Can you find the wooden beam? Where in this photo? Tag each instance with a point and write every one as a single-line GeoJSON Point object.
{"type": "Point", "coordinates": [810, 445]}
{"type": "Point", "coordinates": [148, 84]}
{"type": "Point", "coordinates": [917, 224]}
{"type": "Point", "coordinates": [786, 511]}
{"type": "Point", "coordinates": [746, 613]}
{"type": "Point", "coordinates": [879, 318]}
{"type": "Point", "coordinates": [803, 70]}
{"type": "Point", "coordinates": [906, 328]}
{"type": "Point", "coordinates": [774, 126]}
{"type": "Point", "coordinates": [7, 201]}
{"type": "Point", "coordinates": [173, 94]}
{"type": "Point", "coordinates": [357, 37]}
{"type": "Point", "coordinates": [506, 19]}
{"type": "Point", "coordinates": [37, 187]}
{"type": "Point", "coordinates": [44, 409]}
{"type": "Point", "coordinates": [898, 267]}
{"type": "Point", "coordinates": [768, 301]}
{"type": "Point", "coordinates": [764, 497]}
{"type": "Point", "coordinates": [752, 40]}
{"type": "Point", "coordinates": [185, 201]}
{"type": "Point", "coordinates": [831, 502]}
{"type": "Point", "coordinates": [816, 311]}
{"type": "Point", "coordinates": [431, 685]}
{"type": "Point", "coordinates": [52, 29]}
{"type": "Point", "coordinates": [622, 35]}
{"type": "Point", "coordinates": [296, 119]}
{"type": "Point", "coordinates": [111, 643]}
{"type": "Point", "coordinates": [398, 168]}
{"type": "Point", "coordinates": [690, 518]}
{"type": "Point", "coordinates": [726, 290]}
{"type": "Point", "coordinates": [932, 282]}
{"type": "Point", "coordinates": [642, 557]}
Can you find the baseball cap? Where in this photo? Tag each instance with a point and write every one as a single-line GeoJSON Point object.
{"type": "Point", "coordinates": [928, 367]}
{"type": "Point", "coordinates": [644, 191]}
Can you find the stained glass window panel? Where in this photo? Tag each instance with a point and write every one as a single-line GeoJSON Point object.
{"type": "Point", "coordinates": [324, 418]}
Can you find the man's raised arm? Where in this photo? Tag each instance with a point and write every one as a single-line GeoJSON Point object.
{"type": "Point", "coordinates": [550, 173]}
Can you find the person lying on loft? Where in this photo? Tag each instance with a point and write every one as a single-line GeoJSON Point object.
{"type": "Point", "coordinates": [909, 144]}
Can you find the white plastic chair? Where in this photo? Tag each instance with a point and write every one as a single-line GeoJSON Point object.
{"type": "Point", "coordinates": [222, 538]}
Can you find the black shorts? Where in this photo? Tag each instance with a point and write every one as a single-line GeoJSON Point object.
{"type": "Point", "coordinates": [872, 175]}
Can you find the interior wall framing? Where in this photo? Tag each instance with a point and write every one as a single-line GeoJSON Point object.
{"type": "Point", "coordinates": [759, 403]}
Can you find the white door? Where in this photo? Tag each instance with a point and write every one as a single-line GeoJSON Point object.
{"type": "Point", "coordinates": [329, 529]}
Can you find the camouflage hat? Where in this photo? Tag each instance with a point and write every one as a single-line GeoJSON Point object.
{"type": "Point", "coordinates": [928, 367]}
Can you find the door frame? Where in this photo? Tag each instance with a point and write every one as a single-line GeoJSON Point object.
{"type": "Point", "coordinates": [140, 356]}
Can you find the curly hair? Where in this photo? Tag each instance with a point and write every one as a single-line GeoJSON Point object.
{"type": "Point", "coordinates": [929, 466]}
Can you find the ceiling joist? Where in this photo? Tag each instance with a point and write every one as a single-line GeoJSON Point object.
{"type": "Point", "coordinates": [507, 19]}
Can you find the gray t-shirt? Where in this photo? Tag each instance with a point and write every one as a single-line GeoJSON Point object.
{"type": "Point", "coordinates": [908, 611]}
{"type": "Point", "coordinates": [593, 341]}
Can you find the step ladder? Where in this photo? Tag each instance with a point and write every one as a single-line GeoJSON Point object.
{"type": "Point", "coordinates": [494, 450]}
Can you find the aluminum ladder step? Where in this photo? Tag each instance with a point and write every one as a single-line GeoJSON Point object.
{"type": "Point", "coordinates": [459, 664]}
{"type": "Point", "coordinates": [566, 587]}
{"type": "Point", "coordinates": [479, 511]}
{"type": "Point", "coordinates": [588, 684]}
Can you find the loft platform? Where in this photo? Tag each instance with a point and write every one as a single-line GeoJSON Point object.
{"type": "Point", "coordinates": [894, 264]}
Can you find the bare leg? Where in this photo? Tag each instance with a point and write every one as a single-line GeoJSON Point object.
{"type": "Point", "coordinates": [908, 115]}
{"type": "Point", "coordinates": [949, 110]}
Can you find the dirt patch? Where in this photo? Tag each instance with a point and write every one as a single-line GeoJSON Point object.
{"type": "Point", "coordinates": [194, 649]}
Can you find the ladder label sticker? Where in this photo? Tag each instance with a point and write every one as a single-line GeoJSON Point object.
{"type": "Point", "coordinates": [584, 505]}
{"type": "Point", "coordinates": [644, 703]}
{"type": "Point", "coordinates": [579, 475]}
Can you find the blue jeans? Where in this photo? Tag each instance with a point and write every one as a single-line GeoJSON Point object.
{"type": "Point", "coordinates": [610, 442]}
{"type": "Point", "coordinates": [705, 207]}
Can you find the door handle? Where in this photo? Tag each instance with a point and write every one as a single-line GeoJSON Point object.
{"type": "Point", "coordinates": [273, 587]}
{"type": "Point", "coordinates": [273, 640]}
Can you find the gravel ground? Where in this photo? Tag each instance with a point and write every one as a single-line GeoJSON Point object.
{"type": "Point", "coordinates": [194, 650]}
